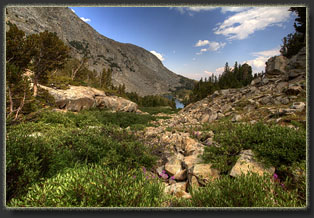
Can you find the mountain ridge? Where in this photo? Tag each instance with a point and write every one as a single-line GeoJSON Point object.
{"type": "Point", "coordinates": [137, 68]}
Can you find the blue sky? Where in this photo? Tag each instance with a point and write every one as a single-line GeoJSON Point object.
{"type": "Point", "coordinates": [196, 41]}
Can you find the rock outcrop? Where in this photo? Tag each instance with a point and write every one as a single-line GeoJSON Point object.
{"type": "Point", "coordinates": [77, 98]}
{"type": "Point", "coordinates": [137, 68]}
{"type": "Point", "coordinates": [287, 68]}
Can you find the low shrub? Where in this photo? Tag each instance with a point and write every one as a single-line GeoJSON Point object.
{"type": "Point", "coordinates": [273, 145]}
{"type": "Point", "coordinates": [281, 147]}
{"type": "Point", "coordinates": [27, 158]}
{"type": "Point", "coordinates": [121, 119]}
{"type": "Point", "coordinates": [95, 186]}
{"type": "Point", "coordinates": [249, 190]}
{"type": "Point", "coordinates": [60, 144]}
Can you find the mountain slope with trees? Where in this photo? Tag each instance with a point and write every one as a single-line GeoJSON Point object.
{"type": "Point", "coordinates": [140, 71]}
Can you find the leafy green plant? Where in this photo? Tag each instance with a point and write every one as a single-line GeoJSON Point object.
{"type": "Point", "coordinates": [249, 190]}
{"type": "Point", "coordinates": [274, 145]}
{"type": "Point", "coordinates": [56, 141]}
{"type": "Point", "coordinates": [95, 186]}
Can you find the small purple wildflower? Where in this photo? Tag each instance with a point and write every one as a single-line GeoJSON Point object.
{"type": "Point", "coordinates": [275, 176]}
{"type": "Point", "coordinates": [172, 177]}
{"type": "Point", "coordinates": [282, 185]}
{"type": "Point", "coordinates": [144, 169]}
{"type": "Point", "coordinates": [134, 177]}
{"type": "Point", "coordinates": [163, 172]}
{"type": "Point", "coordinates": [164, 176]}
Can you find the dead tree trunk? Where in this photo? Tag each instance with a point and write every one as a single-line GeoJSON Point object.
{"type": "Point", "coordinates": [11, 101]}
{"type": "Point", "coordinates": [35, 86]}
{"type": "Point", "coordinates": [74, 72]}
{"type": "Point", "coordinates": [21, 106]}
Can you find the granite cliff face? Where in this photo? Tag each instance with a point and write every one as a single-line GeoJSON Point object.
{"type": "Point", "coordinates": [137, 68]}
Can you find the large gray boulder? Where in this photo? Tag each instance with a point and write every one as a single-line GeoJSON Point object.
{"type": "Point", "coordinates": [277, 66]}
{"type": "Point", "coordinates": [77, 98]}
{"type": "Point", "coordinates": [287, 68]}
{"type": "Point", "coordinates": [247, 163]}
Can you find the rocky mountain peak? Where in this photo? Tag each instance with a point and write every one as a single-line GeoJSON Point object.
{"type": "Point", "coordinates": [137, 68]}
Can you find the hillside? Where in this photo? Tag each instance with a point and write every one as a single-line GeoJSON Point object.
{"type": "Point", "coordinates": [137, 68]}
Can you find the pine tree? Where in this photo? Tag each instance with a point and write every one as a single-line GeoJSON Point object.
{"type": "Point", "coordinates": [294, 42]}
{"type": "Point", "coordinates": [300, 24]}
{"type": "Point", "coordinates": [48, 53]}
{"type": "Point", "coordinates": [106, 80]}
{"type": "Point", "coordinates": [17, 60]}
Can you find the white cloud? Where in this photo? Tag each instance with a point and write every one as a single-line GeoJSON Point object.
{"type": "Point", "coordinates": [212, 45]}
{"type": "Point", "coordinates": [158, 55]}
{"type": "Point", "coordinates": [191, 10]}
{"type": "Point", "coordinates": [85, 19]}
{"type": "Point", "coordinates": [207, 72]}
{"type": "Point", "coordinates": [217, 72]}
{"type": "Point", "coordinates": [268, 53]}
{"type": "Point", "coordinates": [201, 43]}
{"type": "Point", "coordinates": [198, 9]}
{"type": "Point", "coordinates": [233, 9]}
{"type": "Point", "coordinates": [72, 10]}
{"type": "Point", "coordinates": [258, 64]}
{"type": "Point", "coordinates": [241, 25]}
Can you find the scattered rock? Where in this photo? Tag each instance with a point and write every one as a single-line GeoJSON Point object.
{"type": "Point", "coordinates": [209, 141]}
{"type": "Point", "coordinates": [205, 173]}
{"type": "Point", "coordinates": [299, 106]}
{"type": "Point", "coordinates": [266, 100]}
{"type": "Point", "coordinates": [236, 118]}
{"type": "Point", "coordinates": [293, 90]}
{"type": "Point", "coordinates": [256, 81]}
{"type": "Point", "coordinates": [193, 182]}
{"type": "Point", "coordinates": [181, 175]}
{"type": "Point", "coordinates": [191, 160]}
{"type": "Point", "coordinates": [281, 86]}
{"type": "Point", "coordinates": [173, 166]}
{"type": "Point", "coordinates": [247, 163]}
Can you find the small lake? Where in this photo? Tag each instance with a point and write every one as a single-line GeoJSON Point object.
{"type": "Point", "coordinates": [179, 104]}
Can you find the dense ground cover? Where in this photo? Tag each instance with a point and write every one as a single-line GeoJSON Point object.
{"type": "Point", "coordinates": [93, 159]}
